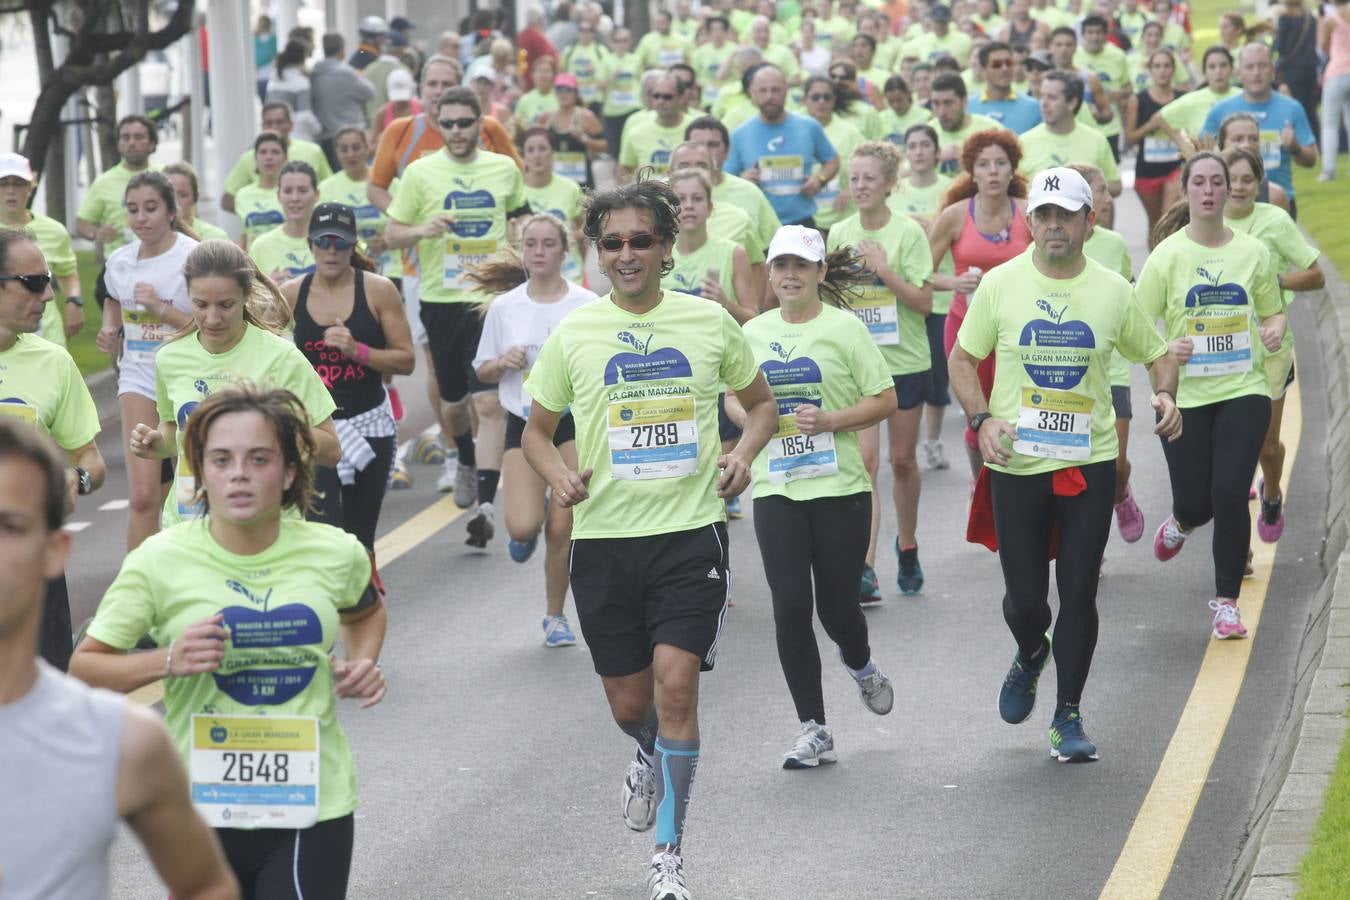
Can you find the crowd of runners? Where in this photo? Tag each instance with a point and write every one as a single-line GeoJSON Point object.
{"type": "Point", "coordinates": [751, 253]}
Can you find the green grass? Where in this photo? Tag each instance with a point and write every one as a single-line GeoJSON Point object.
{"type": "Point", "coordinates": [81, 346]}
{"type": "Point", "coordinates": [1321, 207]}
{"type": "Point", "coordinates": [1325, 871]}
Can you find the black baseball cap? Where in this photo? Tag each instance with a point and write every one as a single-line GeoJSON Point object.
{"type": "Point", "coordinates": [333, 219]}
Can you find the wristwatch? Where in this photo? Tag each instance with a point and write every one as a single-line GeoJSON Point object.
{"type": "Point", "coordinates": [978, 419]}
{"type": "Point", "coordinates": [78, 301]}
{"type": "Point", "coordinates": [86, 484]}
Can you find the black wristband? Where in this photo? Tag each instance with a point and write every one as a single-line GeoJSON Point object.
{"type": "Point", "coordinates": [979, 419]}
{"type": "Point", "coordinates": [77, 300]}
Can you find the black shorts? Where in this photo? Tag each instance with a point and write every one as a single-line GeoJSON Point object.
{"type": "Point", "coordinates": [938, 395]}
{"type": "Point", "coordinates": [291, 863]}
{"type": "Point", "coordinates": [515, 429]}
{"type": "Point", "coordinates": [727, 430]}
{"type": "Point", "coordinates": [634, 593]}
{"type": "Point", "coordinates": [1114, 143]}
{"type": "Point", "coordinates": [1120, 399]}
{"type": "Point", "coordinates": [453, 330]}
{"type": "Point", "coordinates": [912, 390]}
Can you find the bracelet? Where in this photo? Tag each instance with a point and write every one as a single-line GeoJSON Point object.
{"type": "Point", "coordinates": [362, 353]}
{"type": "Point", "coordinates": [168, 660]}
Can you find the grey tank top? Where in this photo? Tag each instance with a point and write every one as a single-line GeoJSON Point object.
{"type": "Point", "coordinates": [59, 753]}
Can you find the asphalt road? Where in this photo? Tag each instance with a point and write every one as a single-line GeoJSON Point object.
{"type": "Point", "coordinates": [493, 768]}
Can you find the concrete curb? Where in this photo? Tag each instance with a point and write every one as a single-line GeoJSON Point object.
{"type": "Point", "coordinates": [1295, 784]}
{"type": "Point", "coordinates": [103, 387]}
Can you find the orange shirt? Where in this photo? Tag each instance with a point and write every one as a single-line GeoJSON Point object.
{"type": "Point", "coordinates": [394, 142]}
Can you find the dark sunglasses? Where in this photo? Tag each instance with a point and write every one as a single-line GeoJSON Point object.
{"type": "Point", "coordinates": [643, 240]}
{"type": "Point", "coordinates": [461, 124]}
{"type": "Point", "coordinates": [999, 64]}
{"type": "Point", "coordinates": [840, 76]}
{"type": "Point", "coordinates": [332, 242]}
{"type": "Point", "coordinates": [818, 98]}
{"type": "Point", "coordinates": [656, 96]}
{"type": "Point", "coordinates": [37, 284]}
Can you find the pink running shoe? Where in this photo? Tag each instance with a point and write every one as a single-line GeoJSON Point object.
{"type": "Point", "coordinates": [1270, 523]}
{"type": "Point", "coordinates": [1227, 620]}
{"type": "Point", "coordinates": [1129, 519]}
{"type": "Point", "coordinates": [1168, 540]}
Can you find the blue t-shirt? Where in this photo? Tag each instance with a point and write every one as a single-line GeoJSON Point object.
{"type": "Point", "coordinates": [786, 153]}
{"type": "Point", "coordinates": [1272, 115]}
{"type": "Point", "coordinates": [1018, 113]}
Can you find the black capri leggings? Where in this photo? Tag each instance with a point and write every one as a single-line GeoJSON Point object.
{"type": "Point", "coordinates": [1211, 467]}
{"type": "Point", "coordinates": [1026, 510]}
{"type": "Point", "coordinates": [355, 508]}
{"type": "Point", "coordinates": [291, 863]}
{"type": "Point", "coordinates": [822, 541]}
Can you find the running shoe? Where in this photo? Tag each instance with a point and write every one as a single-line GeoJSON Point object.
{"type": "Point", "coordinates": [910, 577]}
{"type": "Point", "coordinates": [428, 450]}
{"type": "Point", "coordinates": [874, 688]}
{"type": "Point", "coordinates": [639, 795]}
{"type": "Point", "coordinates": [1270, 524]}
{"type": "Point", "coordinates": [870, 592]}
{"type": "Point", "coordinates": [1129, 519]}
{"type": "Point", "coordinates": [445, 482]}
{"type": "Point", "coordinates": [522, 550]}
{"type": "Point", "coordinates": [1017, 697]}
{"type": "Point", "coordinates": [481, 527]}
{"type": "Point", "coordinates": [557, 633]}
{"type": "Point", "coordinates": [666, 881]}
{"type": "Point", "coordinates": [1068, 741]}
{"type": "Point", "coordinates": [814, 745]}
{"type": "Point", "coordinates": [935, 455]}
{"type": "Point", "coordinates": [1227, 620]}
{"type": "Point", "coordinates": [466, 485]}
{"type": "Point", "coordinates": [734, 510]}
{"type": "Point", "coordinates": [400, 479]}
{"type": "Point", "coordinates": [1168, 540]}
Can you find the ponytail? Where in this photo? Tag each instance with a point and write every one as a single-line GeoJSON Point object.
{"type": "Point", "coordinates": [160, 184]}
{"type": "Point", "coordinates": [504, 272]}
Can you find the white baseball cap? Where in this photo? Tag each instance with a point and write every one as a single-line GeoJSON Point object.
{"type": "Point", "coordinates": [797, 240]}
{"type": "Point", "coordinates": [400, 85]}
{"type": "Point", "coordinates": [1061, 186]}
{"type": "Point", "coordinates": [15, 165]}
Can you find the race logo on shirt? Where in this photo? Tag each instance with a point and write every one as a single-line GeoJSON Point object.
{"type": "Point", "coordinates": [254, 672]}
{"type": "Point", "coordinates": [471, 222]}
{"type": "Point", "coordinates": [793, 381]}
{"type": "Point", "coordinates": [645, 364]}
{"type": "Point", "coordinates": [1214, 292]}
{"type": "Point", "coordinates": [1055, 353]}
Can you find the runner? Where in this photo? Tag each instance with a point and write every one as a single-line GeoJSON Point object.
{"type": "Point", "coordinates": [585, 61]}
{"type": "Point", "coordinates": [349, 324]}
{"type": "Point", "coordinates": [44, 388]}
{"type": "Point", "coordinates": [901, 112]}
{"type": "Point", "coordinates": [812, 493]}
{"type": "Point", "coordinates": [1211, 284]}
{"type": "Point", "coordinates": [63, 320]}
{"type": "Point", "coordinates": [649, 142]}
{"type": "Point", "coordinates": [548, 192]}
{"type": "Point", "coordinates": [102, 217]}
{"type": "Point", "coordinates": [1107, 62]}
{"type": "Point", "coordinates": [649, 561]}
{"type": "Point", "coordinates": [257, 205]}
{"type": "Point", "coordinates": [228, 600]}
{"type": "Point", "coordinates": [284, 252]}
{"type": "Point", "coordinates": [1187, 113]}
{"type": "Point", "coordinates": [621, 72]}
{"type": "Point", "coordinates": [453, 231]}
{"type": "Point", "coordinates": [577, 133]}
{"type": "Point", "coordinates": [730, 190]}
{"type": "Point", "coordinates": [237, 315]}
{"type": "Point", "coordinates": [348, 186]}
{"type": "Point", "coordinates": [954, 124]}
{"type": "Point", "coordinates": [1241, 129]}
{"type": "Point", "coordinates": [1062, 138]}
{"type": "Point", "coordinates": [1295, 262]}
{"type": "Point", "coordinates": [998, 100]}
{"type": "Point", "coordinates": [832, 204]}
{"type": "Point", "coordinates": [77, 760]}
{"type": "Point", "coordinates": [893, 248]}
{"type": "Point", "coordinates": [1157, 161]}
{"type": "Point", "coordinates": [983, 226]}
{"type": "Point", "coordinates": [276, 118]}
{"type": "Point", "coordinates": [531, 296]}
{"type": "Point", "coordinates": [853, 101]}
{"type": "Point", "coordinates": [1047, 440]}
{"type": "Point", "coordinates": [540, 98]}
{"type": "Point", "coordinates": [186, 194]}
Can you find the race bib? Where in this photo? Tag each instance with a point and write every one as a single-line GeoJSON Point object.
{"type": "Point", "coordinates": [1223, 346]}
{"type": "Point", "coordinates": [570, 164]}
{"type": "Point", "coordinates": [589, 93]}
{"type": "Point", "coordinates": [653, 438]}
{"type": "Point", "coordinates": [19, 410]}
{"type": "Point", "coordinates": [144, 333]}
{"type": "Point", "coordinates": [794, 456]}
{"type": "Point", "coordinates": [1054, 425]}
{"type": "Point", "coordinates": [623, 99]}
{"type": "Point", "coordinates": [781, 176]}
{"type": "Point", "coordinates": [875, 308]}
{"type": "Point", "coordinates": [1270, 149]}
{"type": "Point", "coordinates": [1160, 150]}
{"type": "Point", "coordinates": [826, 196]}
{"type": "Point", "coordinates": [185, 490]}
{"type": "Point", "coordinates": [463, 254]}
{"type": "Point", "coordinates": [255, 771]}
{"type": "Point", "coordinates": [670, 56]}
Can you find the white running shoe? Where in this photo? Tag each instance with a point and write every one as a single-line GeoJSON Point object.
{"type": "Point", "coordinates": [445, 482]}
{"type": "Point", "coordinates": [815, 745]}
{"type": "Point", "coordinates": [666, 881]}
{"type": "Point", "coordinates": [481, 527]}
{"type": "Point", "coordinates": [466, 486]}
{"type": "Point", "coordinates": [639, 795]}
{"type": "Point", "coordinates": [935, 455]}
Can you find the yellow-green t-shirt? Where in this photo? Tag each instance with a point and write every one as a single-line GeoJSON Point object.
{"type": "Point", "coordinates": [830, 362]}
{"type": "Point", "coordinates": [1188, 112]}
{"type": "Point", "coordinates": [1108, 248]}
{"type": "Point", "coordinates": [54, 242]}
{"type": "Point", "coordinates": [894, 125]}
{"type": "Point", "coordinates": [281, 608]}
{"type": "Point", "coordinates": [43, 387]}
{"type": "Point", "coordinates": [732, 223]}
{"type": "Point", "coordinates": [619, 75]}
{"type": "Point", "coordinates": [661, 51]}
{"type": "Point", "coordinates": [643, 391]}
{"type": "Point", "coordinates": [1043, 149]}
{"type": "Point", "coordinates": [707, 62]}
{"type": "Point", "coordinates": [748, 198]}
{"type": "Point", "coordinates": [259, 208]}
{"type": "Point", "coordinates": [560, 198]}
{"type": "Point", "coordinates": [1053, 339]}
{"type": "Point", "coordinates": [370, 222]}
{"type": "Point", "coordinates": [1216, 296]}
{"type": "Point", "coordinates": [245, 170]}
{"type": "Point", "coordinates": [928, 46]}
{"type": "Point", "coordinates": [899, 331]}
{"type": "Point", "coordinates": [276, 251]}
{"type": "Point", "coordinates": [716, 255]}
{"type": "Point", "coordinates": [927, 202]}
{"type": "Point", "coordinates": [1113, 71]}
{"type": "Point", "coordinates": [650, 144]}
{"type": "Point", "coordinates": [586, 62]}
{"type": "Point", "coordinates": [208, 232]}
{"type": "Point", "coordinates": [532, 104]}
{"type": "Point", "coordinates": [845, 138]}
{"type": "Point", "coordinates": [480, 195]}
{"type": "Point", "coordinates": [104, 202]}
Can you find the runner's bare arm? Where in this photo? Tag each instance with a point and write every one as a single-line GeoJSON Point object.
{"type": "Point", "coordinates": [569, 487]}
{"type": "Point", "coordinates": [329, 449]}
{"type": "Point", "coordinates": [761, 421]}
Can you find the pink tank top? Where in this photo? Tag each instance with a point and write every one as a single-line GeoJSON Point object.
{"type": "Point", "coordinates": [389, 114]}
{"type": "Point", "coordinates": [985, 251]}
{"type": "Point", "coordinates": [1338, 60]}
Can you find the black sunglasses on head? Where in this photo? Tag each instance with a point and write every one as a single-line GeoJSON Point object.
{"type": "Point", "coordinates": [36, 284]}
{"type": "Point", "coordinates": [466, 122]}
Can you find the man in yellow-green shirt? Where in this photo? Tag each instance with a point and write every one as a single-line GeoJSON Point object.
{"type": "Point", "coordinates": [649, 143]}
{"type": "Point", "coordinates": [1061, 140]}
{"type": "Point", "coordinates": [102, 217]}
{"type": "Point", "coordinates": [276, 116]}
{"type": "Point", "coordinates": [953, 122]}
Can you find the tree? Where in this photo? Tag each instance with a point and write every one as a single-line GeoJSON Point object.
{"type": "Point", "coordinates": [107, 37]}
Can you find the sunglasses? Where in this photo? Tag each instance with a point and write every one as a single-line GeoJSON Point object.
{"type": "Point", "coordinates": [840, 76]}
{"type": "Point", "coordinates": [999, 64]}
{"type": "Point", "coordinates": [656, 96]}
{"type": "Point", "coordinates": [37, 284]}
{"type": "Point", "coordinates": [643, 240]}
{"type": "Point", "coordinates": [819, 98]}
{"type": "Point", "coordinates": [332, 242]}
{"type": "Point", "coordinates": [467, 122]}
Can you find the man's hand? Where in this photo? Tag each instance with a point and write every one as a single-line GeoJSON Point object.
{"type": "Point", "coordinates": [570, 489]}
{"type": "Point", "coordinates": [1169, 422]}
{"type": "Point", "coordinates": [992, 433]}
{"type": "Point", "coordinates": [435, 226]}
{"type": "Point", "coordinates": [1182, 348]}
{"type": "Point", "coordinates": [735, 476]}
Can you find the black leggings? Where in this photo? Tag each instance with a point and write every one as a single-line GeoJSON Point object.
{"type": "Point", "coordinates": [54, 639]}
{"type": "Point", "coordinates": [1026, 511]}
{"type": "Point", "coordinates": [1211, 468]}
{"type": "Point", "coordinates": [290, 863]}
{"type": "Point", "coordinates": [356, 507]}
{"type": "Point", "coordinates": [824, 541]}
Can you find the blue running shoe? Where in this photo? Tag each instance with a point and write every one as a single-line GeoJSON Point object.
{"type": "Point", "coordinates": [522, 550]}
{"type": "Point", "coordinates": [734, 510]}
{"type": "Point", "coordinates": [910, 577]}
{"type": "Point", "coordinates": [1068, 743]}
{"type": "Point", "coordinates": [1017, 698]}
{"type": "Point", "coordinates": [557, 633]}
{"type": "Point", "coordinates": [870, 592]}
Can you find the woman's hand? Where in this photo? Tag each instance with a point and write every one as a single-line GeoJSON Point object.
{"type": "Point", "coordinates": [812, 420]}
{"type": "Point", "coordinates": [514, 358]}
{"type": "Point", "coordinates": [145, 441]}
{"type": "Point", "coordinates": [1182, 348]}
{"type": "Point", "coordinates": [359, 679]}
{"type": "Point", "coordinates": [145, 296]}
{"type": "Point", "coordinates": [200, 648]}
{"type": "Point", "coordinates": [108, 340]}
{"type": "Point", "coordinates": [339, 337]}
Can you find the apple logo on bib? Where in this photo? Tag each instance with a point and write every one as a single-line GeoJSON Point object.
{"type": "Point", "coordinates": [257, 628]}
{"type": "Point", "coordinates": [457, 201]}
{"type": "Point", "coordinates": [646, 364]}
{"type": "Point", "coordinates": [1214, 292]}
{"type": "Point", "coordinates": [1054, 352]}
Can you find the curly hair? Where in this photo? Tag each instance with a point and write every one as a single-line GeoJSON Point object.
{"type": "Point", "coordinates": [964, 185]}
{"type": "Point", "coordinates": [648, 194]}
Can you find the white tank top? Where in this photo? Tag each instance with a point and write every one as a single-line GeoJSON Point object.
{"type": "Point", "coordinates": [59, 753]}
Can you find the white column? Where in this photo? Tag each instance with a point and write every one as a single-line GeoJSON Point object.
{"type": "Point", "coordinates": [395, 8]}
{"type": "Point", "coordinates": [347, 20]}
{"type": "Point", "coordinates": [70, 135]}
{"type": "Point", "coordinates": [234, 116]}
{"type": "Point", "coordinates": [190, 83]}
{"type": "Point", "coordinates": [286, 19]}
{"type": "Point", "coordinates": [129, 98]}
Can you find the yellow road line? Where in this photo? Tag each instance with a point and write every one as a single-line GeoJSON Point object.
{"type": "Point", "coordinates": [1151, 847]}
